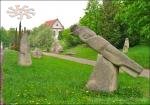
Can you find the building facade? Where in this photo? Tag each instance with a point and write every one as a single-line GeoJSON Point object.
{"type": "Point", "coordinates": [56, 27]}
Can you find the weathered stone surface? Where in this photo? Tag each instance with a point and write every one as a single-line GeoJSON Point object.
{"type": "Point", "coordinates": [37, 53]}
{"type": "Point", "coordinates": [56, 47]}
{"type": "Point", "coordinates": [25, 57]}
{"type": "Point", "coordinates": [108, 51]}
{"type": "Point", "coordinates": [104, 76]}
{"type": "Point", "coordinates": [126, 45]}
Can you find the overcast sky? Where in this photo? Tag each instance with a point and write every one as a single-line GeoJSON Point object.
{"type": "Point", "coordinates": [68, 12]}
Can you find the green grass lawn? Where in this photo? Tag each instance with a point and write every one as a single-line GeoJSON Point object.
{"type": "Point", "coordinates": [139, 53]}
{"type": "Point", "coordinates": [82, 51]}
{"type": "Point", "coordinates": [55, 81]}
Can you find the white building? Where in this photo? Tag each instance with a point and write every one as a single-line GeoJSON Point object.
{"type": "Point", "coordinates": [56, 26]}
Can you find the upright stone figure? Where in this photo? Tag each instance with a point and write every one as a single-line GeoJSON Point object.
{"type": "Point", "coordinates": [24, 57]}
{"type": "Point", "coordinates": [104, 76]}
{"type": "Point", "coordinates": [37, 53]}
{"type": "Point", "coordinates": [56, 47]}
{"type": "Point", "coordinates": [126, 45]}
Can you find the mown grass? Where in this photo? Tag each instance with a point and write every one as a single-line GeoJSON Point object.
{"type": "Point", "coordinates": [82, 51]}
{"type": "Point", "coordinates": [139, 53]}
{"type": "Point", "coordinates": [55, 81]}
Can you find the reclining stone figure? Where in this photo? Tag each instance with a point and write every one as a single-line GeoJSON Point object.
{"type": "Point", "coordinates": [104, 77]}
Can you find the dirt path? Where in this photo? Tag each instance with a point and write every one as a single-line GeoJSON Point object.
{"type": "Point", "coordinates": [145, 73]}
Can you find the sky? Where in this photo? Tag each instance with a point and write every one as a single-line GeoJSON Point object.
{"type": "Point", "coordinates": [68, 12]}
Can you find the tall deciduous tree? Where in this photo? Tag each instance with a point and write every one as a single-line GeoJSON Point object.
{"type": "Point", "coordinates": [99, 16]}
{"type": "Point", "coordinates": [92, 15]}
{"type": "Point", "coordinates": [136, 14]}
{"type": "Point", "coordinates": [110, 28]}
{"type": "Point", "coordinates": [117, 19]}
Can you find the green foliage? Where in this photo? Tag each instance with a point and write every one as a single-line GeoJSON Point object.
{"type": "Point", "coordinates": [110, 29]}
{"type": "Point", "coordinates": [68, 39]}
{"type": "Point", "coordinates": [41, 37]}
{"type": "Point", "coordinates": [7, 36]}
{"type": "Point", "coordinates": [13, 37]}
{"type": "Point", "coordinates": [56, 81]}
{"type": "Point", "coordinates": [11, 34]}
{"type": "Point", "coordinates": [100, 18]}
{"type": "Point", "coordinates": [136, 15]}
{"type": "Point", "coordinates": [4, 37]}
{"type": "Point", "coordinates": [117, 19]}
{"type": "Point", "coordinates": [92, 16]}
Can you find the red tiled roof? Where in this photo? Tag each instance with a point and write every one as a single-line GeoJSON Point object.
{"type": "Point", "coordinates": [50, 22]}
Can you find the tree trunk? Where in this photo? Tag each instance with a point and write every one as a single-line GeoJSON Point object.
{"type": "Point", "coordinates": [19, 36]}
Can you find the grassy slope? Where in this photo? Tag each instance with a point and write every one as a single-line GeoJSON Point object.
{"type": "Point", "coordinates": [140, 53]}
{"type": "Point", "coordinates": [82, 51]}
{"type": "Point", "coordinates": [55, 81]}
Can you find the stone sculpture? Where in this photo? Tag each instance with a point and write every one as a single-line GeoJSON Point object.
{"type": "Point", "coordinates": [104, 77]}
{"type": "Point", "coordinates": [24, 57]}
{"type": "Point", "coordinates": [37, 53]}
{"type": "Point", "coordinates": [56, 47]}
{"type": "Point", "coordinates": [126, 45]}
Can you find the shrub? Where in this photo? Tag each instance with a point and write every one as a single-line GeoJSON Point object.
{"type": "Point", "coordinates": [41, 37]}
{"type": "Point", "coordinates": [68, 39]}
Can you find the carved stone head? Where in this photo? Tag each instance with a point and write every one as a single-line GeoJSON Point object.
{"type": "Point", "coordinates": [83, 32]}
{"type": "Point", "coordinates": [74, 29]}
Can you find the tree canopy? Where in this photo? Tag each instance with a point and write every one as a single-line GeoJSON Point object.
{"type": "Point", "coordinates": [137, 17]}
{"type": "Point", "coordinates": [7, 36]}
{"type": "Point", "coordinates": [117, 19]}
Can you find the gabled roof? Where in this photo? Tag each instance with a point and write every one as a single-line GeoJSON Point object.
{"type": "Point", "coordinates": [51, 22]}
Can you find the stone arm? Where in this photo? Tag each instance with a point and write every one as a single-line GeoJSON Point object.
{"type": "Point", "coordinates": [108, 51]}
